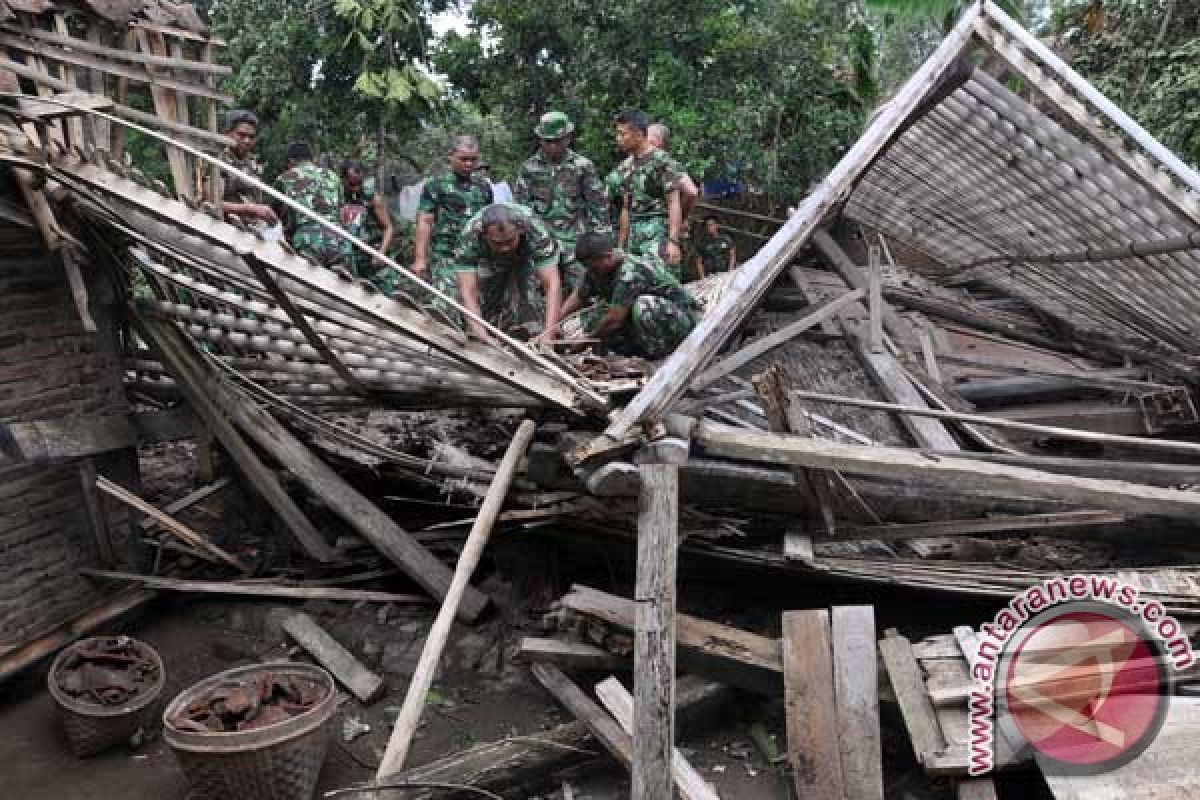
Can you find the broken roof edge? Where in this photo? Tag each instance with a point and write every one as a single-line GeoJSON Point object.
{"type": "Point", "coordinates": [754, 277]}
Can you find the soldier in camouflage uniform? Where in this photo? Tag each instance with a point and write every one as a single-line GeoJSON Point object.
{"type": "Point", "coordinates": [447, 201]}
{"type": "Point", "coordinates": [364, 213]}
{"type": "Point", "coordinates": [506, 267]}
{"type": "Point", "coordinates": [642, 310]}
{"type": "Point", "coordinates": [238, 197]}
{"type": "Point", "coordinates": [651, 212]}
{"type": "Point", "coordinates": [320, 191]}
{"type": "Point", "coordinates": [715, 252]}
{"type": "Point", "coordinates": [562, 188]}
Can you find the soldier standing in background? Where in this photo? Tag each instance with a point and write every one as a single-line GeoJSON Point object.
{"type": "Point", "coordinates": [364, 213]}
{"type": "Point", "coordinates": [319, 190]}
{"type": "Point", "coordinates": [651, 214]}
{"type": "Point", "coordinates": [561, 187]}
{"type": "Point", "coordinates": [659, 135]}
{"type": "Point", "coordinates": [239, 198]}
{"type": "Point", "coordinates": [715, 252]}
{"type": "Point", "coordinates": [447, 201]}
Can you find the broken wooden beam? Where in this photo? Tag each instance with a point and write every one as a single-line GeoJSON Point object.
{"type": "Point", "coordinates": [1137, 442]}
{"type": "Point", "coordinates": [732, 656]}
{"type": "Point", "coordinates": [189, 499]}
{"type": "Point", "coordinates": [908, 685]}
{"type": "Point", "coordinates": [173, 526]}
{"type": "Point", "coordinates": [617, 700]}
{"type": "Point", "coordinates": [951, 471]}
{"type": "Point", "coordinates": [769, 342]}
{"type": "Point", "coordinates": [178, 355]}
{"type": "Point", "coordinates": [246, 589]}
{"type": "Point", "coordinates": [856, 687]}
{"type": "Point", "coordinates": [341, 663]}
{"type": "Point", "coordinates": [606, 730]}
{"type": "Point", "coordinates": [422, 679]}
{"type": "Point", "coordinates": [973, 527]}
{"type": "Point", "coordinates": [654, 631]}
{"type": "Point", "coordinates": [72, 437]}
{"type": "Point", "coordinates": [519, 761]}
{"type": "Point", "coordinates": [318, 477]}
{"type": "Point", "coordinates": [569, 655]}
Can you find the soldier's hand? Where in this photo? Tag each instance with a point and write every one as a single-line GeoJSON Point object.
{"type": "Point", "coordinates": [673, 253]}
{"type": "Point", "coordinates": [545, 337]}
{"type": "Point", "coordinates": [267, 214]}
{"type": "Point", "coordinates": [421, 269]}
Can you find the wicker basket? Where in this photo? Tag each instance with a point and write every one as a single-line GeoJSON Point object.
{"type": "Point", "coordinates": [278, 762]}
{"type": "Point", "coordinates": [91, 728]}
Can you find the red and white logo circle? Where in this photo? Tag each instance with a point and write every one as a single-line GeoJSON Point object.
{"type": "Point", "coordinates": [1086, 687]}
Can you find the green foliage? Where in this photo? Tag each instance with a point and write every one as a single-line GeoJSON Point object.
{"type": "Point", "coordinates": [947, 11]}
{"type": "Point", "coordinates": [766, 91]}
{"type": "Point", "coordinates": [1145, 56]}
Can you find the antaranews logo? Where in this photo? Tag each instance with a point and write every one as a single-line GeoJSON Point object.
{"type": "Point", "coordinates": [1077, 670]}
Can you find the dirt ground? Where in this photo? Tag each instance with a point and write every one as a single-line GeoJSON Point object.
{"type": "Point", "coordinates": [481, 693]}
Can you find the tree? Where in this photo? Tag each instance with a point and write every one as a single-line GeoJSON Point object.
{"type": "Point", "coordinates": [1144, 55]}
{"type": "Point", "coordinates": [767, 92]}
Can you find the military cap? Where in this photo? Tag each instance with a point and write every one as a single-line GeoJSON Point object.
{"type": "Point", "coordinates": [553, 125]}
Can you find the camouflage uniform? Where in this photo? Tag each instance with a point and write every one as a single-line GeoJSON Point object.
{"type": "Point", "coordinates": [319, 190]}
{"type": "Point", "coordinates": [510, 291]}
{"type": "Point", "coordinates": [661, 312]}
{"type": "Point", "coordinates": [645, 182]}
{"type": "Point", "coordinates": [357, 216]}
{"type": "Point", "coordinates": [233, 188]}
{"type": "Point", "coordinates": [569, 199]}
{"type": "Point", "coordinates": [714, 253]}
{"type": "Point", "coordinates": [452, 200]}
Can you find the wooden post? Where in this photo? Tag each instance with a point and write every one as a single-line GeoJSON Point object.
{"type": "Point", "coordinates": [414, 701]}
{"type": "Point", "coordinates": [875, 299]}
{"type": "Point", "coordinates": [654, 632]}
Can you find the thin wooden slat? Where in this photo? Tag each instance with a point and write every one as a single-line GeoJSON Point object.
{"type": "Point", "coordinates": [123, 55]}
{"type": "Point", "coordinates": [909, 688]}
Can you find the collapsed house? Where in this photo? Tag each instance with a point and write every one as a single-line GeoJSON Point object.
{"type": "Point", "coordinates": [962, 366]}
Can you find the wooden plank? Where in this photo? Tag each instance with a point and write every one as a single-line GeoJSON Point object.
{"type": "Point", "coordinates": [569, 655]}
{"type": "Point", "coordinates": [606, 730]}
{"type": "Point", "coordinates": [976, 789]}
{"type": "Point", "coordinates": [857, 278]}
{"type": "Point", "coordinates": [614, 697]}
{"type": "Point", "coordinates": [766, 344]}
{"type": "Point", "coordinates": [909, 688]}
{"type": "Point", "coordinates": [41, 441]}
{"type": "Point", "coordinates": [973, 527]}
{"type": "Point", "coordinates": [654, 632]}
{"type": "Point", "coordinates": [732, 656]}
{"type": "Point", "coordinates": [174, 527]}
{"type": "Point", "coordinates": [996, 421]}
{"type": "Point", "coordinates": [239, 589]}
{"type": "Point", "coordinates": [97, 518]}
{"type": "Point", "coordinates": [508, 764]}
{"type": "Point", "coordinates": [167, 106]}
{"type": "Point", "coordinates": [949, 471]}
{"type": "Point", "coordinates": [755, 276]}
{"type": "Point", "coordinates": [422, 679]}
{"type": "Point", "coordinates": [875, 301]}
{"type": "Point", "coordinates": [811, 706]}
{"type": "Point", "coordinates": [189, 499]}
{"type": "Point", "coordinates": [798, 547]}
{"type": "Point", "coordinates": [362, 683]}
{"type": "Point", "coordinates": [856, 682]}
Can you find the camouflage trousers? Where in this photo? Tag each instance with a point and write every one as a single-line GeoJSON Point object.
{"type": "Point", "coordinates": [572, 271]}
{"type": "Point", "coordinates": [647, 237]}
{"type": "Point", "coordinates": [321, 247]}
{"type": "Point", "coordinates": [653, 330]}
{"type": "Point", "coordinates": [512, 299]}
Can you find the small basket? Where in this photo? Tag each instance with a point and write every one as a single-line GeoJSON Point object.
{"type": "Point", "coordinates": [278, 762]}
{"type": "Point", "coordinates": [91, 728]}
